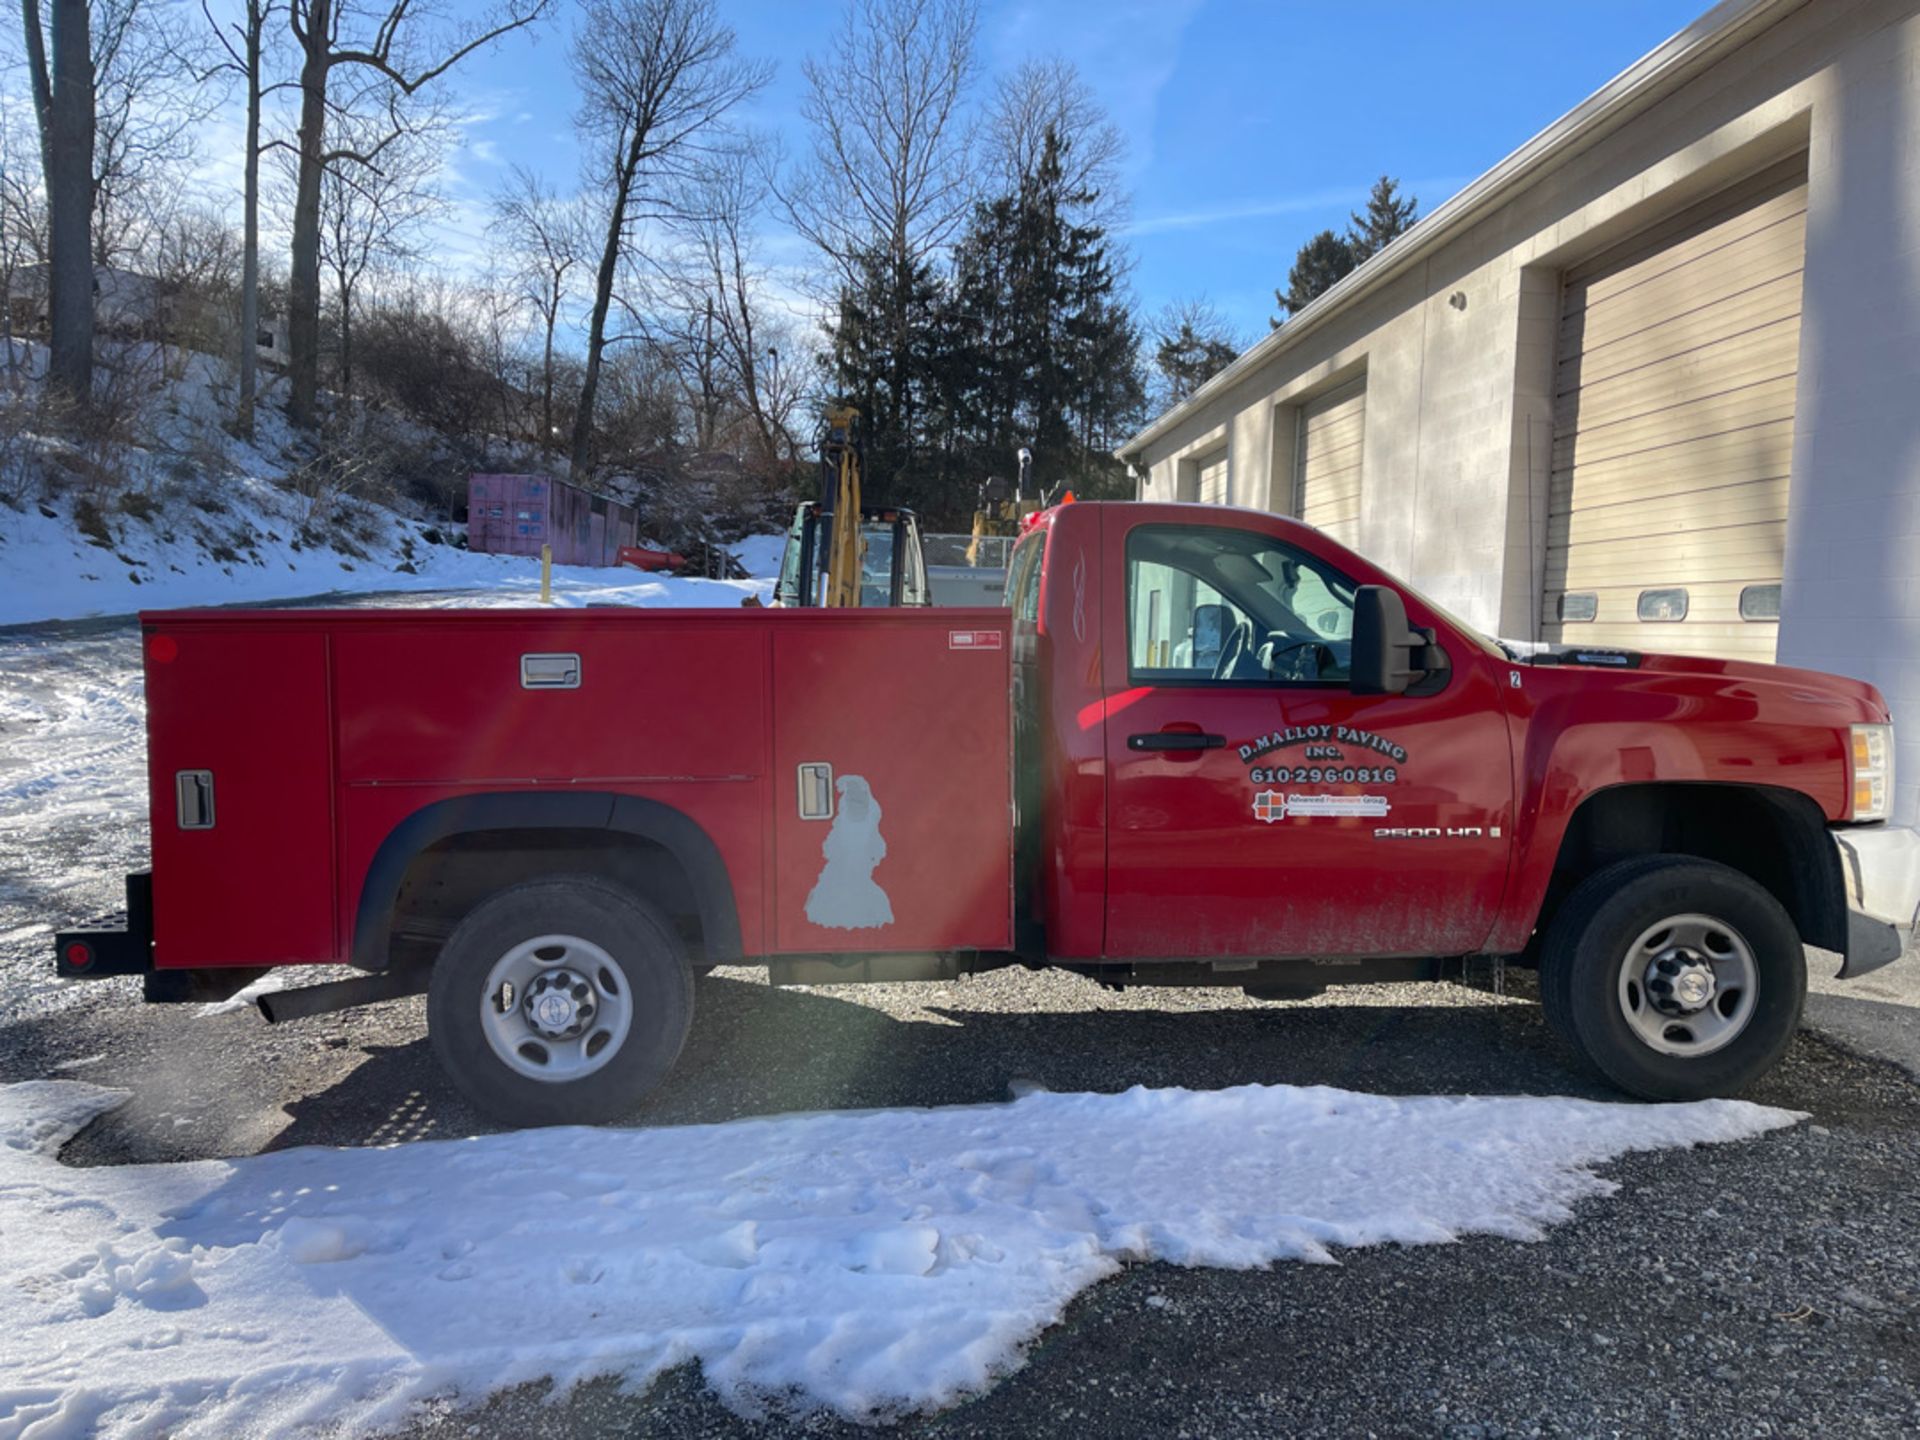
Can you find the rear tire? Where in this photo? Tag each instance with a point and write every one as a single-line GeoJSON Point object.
{"type": "Point", "coordinates": [560, 1001]}
{"type": "Point", "coordinates": [1675, 978]}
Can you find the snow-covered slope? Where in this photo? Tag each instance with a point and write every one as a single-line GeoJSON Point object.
{"type": "Point", "coordinates": [49, 571]}
{"type": "Point", "coordinates": [189, 515]}
{"type": "Point", "coordinates": [868, 1263]}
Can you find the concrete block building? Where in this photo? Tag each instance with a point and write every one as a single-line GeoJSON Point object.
{"type": "Point", "coordinates": [1652, 381]}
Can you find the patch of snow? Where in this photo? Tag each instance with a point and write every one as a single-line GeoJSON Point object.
{"type": "Point", "coordinates": [760, 555]}
{"type": "Point", "coordinates": [267, 984]}
{"type": "Point", "coordinates": [870, 1264]}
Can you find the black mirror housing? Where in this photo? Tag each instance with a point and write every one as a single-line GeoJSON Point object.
{"type": "Point", "coordinates": [1382, 661]}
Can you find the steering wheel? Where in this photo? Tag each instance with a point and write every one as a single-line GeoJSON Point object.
{"type": "Point", "coordinates": [1239, 645]}
{"type": "Point", "coordinates": [1291, 659]}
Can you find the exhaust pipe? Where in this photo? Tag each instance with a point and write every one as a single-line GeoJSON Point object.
{"type": "Point", "coordinates": [283, 1005]}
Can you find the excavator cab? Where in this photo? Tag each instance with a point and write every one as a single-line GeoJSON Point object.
{"type": "Point", "coordinates": [878, 561]}
{"type": "Point", "coordinates": [892, 567]}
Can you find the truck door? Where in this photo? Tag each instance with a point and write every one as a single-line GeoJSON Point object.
{"type": "Point", "coordinates": [1258, 807]}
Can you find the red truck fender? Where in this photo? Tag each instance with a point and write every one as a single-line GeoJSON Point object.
{"type": "Point", "coordinates": [1774, 834]}
{"type": "Point", "coordinates": [647, 822]}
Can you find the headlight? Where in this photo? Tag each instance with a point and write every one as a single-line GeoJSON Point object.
{"type": "Point", "coordinates": [1872, 772]}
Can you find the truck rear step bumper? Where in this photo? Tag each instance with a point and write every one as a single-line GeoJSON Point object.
{"type": "Point", "coordinates": [102, 954]}
{"type": "Point", "coordinates": [97, 954]}
{"type": "Point", "coordinates": [1881, 867]}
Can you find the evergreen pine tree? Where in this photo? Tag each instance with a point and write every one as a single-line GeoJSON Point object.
{"type": "Point", "coordinates": [1328, 256]}
{"type": "Point", "coordinates": [882, 355]}
{"type": "Point", "coordinates": [1321, 263]}
{"type": "Point", "coordinates": [1387, 216]}
{"type": "Point", "coordinates": [1043, 352]}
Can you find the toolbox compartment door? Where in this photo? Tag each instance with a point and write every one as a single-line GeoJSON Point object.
{"type": "Point", "coordinates": [901, 839]}
{"type": "Point", "coordinates": [240, 770]}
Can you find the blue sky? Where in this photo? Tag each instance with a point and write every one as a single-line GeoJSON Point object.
{"type": "Point", "coordinates": [1251, 123]}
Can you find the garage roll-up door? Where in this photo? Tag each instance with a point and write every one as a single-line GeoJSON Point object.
{"type": "Point", "coordinates": [1332, 434]}
{"type": "Point", "coordinates": [1673, 430]}
{"type": "Point", "coordinates": [1213, 480]}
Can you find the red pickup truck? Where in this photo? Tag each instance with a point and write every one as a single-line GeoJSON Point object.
{"type": "Point", "coordinates": [1236, 753]}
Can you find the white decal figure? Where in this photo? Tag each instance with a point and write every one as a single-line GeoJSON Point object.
{"type": "Point", "coordinates": [845, 897]}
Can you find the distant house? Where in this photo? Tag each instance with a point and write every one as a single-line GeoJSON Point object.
{"type": "Point", "coordinates": [270, 339]}
{"type": "Point", "coordinates": [127, 303]}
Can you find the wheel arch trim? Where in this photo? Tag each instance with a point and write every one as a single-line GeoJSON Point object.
{"type": "Point", "coordinates": [632, 815]}
{"type": "Point", "coordinates": [1815, 890]}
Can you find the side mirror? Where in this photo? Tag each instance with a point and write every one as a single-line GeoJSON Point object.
{"type": "Point", "coordinates": [1383, 643]}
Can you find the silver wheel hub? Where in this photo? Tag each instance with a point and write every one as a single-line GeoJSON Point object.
{"type": "Point", "coordinates": [559, 1004]}
{"type": "Point", "coordinates": [1688, 985]}
{"type": "Point", "coordinates": [556, 1008]}
{"type": "Point", "coordinates": [1680, 982]}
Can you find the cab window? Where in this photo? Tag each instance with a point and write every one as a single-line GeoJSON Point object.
{"type": "Point", "coordinates": [1220, 606]}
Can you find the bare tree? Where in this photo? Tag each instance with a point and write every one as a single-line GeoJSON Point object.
{"type": "Point", "coordinates": [244, 43]}
{"type": "Point", "coordinates": [545, 243]}
{"type": "Point", "coordinates": [193, 258]}
{"type": "Point", "coordinates": [373, 215]}
{"type": "Point", "coordinates": [152, 67]}
{"type": "Point", "coordinates": [1193, 342]}
{"type": "Point", "coordinates": [63, 103]}
{"type": "Point", "coordinates": [726, 327]}
{"type": "Point", "coordinates": [887, 187]}
{"type": "Point", "coordinates": [889, 168]}
{"type": "Point", "coordinates": [332, 34]}
{"type": "Point", "coordinates": [23, 226]}
{"type": "Point", "coordinates": [658, 78]}
{"type": "Point", "coordinates": [1049, 94]}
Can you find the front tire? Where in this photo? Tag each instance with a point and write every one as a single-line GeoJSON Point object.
{"type": "Point", "coordinates": [560, 1001]}
{"type": "Point", "coordinates": [1675, 978]}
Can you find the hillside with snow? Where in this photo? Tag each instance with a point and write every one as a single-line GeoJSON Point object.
{"type": "Point", "coordinates": [181, 513]}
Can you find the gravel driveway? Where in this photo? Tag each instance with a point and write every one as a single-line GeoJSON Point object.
{"type": "Point", "coordinates": [1771, 1287]}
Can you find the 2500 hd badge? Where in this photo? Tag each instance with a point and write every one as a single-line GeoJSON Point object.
{"type": "Point", "coordinates": [1437, 832]}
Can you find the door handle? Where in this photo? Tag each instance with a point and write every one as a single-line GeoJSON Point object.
{"type": "Point", "coordinates": [1176, 740]}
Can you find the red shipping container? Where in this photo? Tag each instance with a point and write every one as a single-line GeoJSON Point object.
{"type": "Point", "coordinates": [517, 514]}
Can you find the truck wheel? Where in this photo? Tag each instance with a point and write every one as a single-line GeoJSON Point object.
{"type": "Point", "coordinates": [1676, 978]}
{"type": "Point", "coordinates": [560, 1001]}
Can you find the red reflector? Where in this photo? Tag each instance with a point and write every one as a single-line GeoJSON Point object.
{"type": "Point", "coordinates": [79, 956]}
{"type": "Point", "coordinates": [162, 648]}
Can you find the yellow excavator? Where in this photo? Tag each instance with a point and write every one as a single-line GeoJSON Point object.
{"type": "Point", "coordinates": [875, 558]}
{"type": "Point", "coordinates": [1000, 512]}
{"type": "Point", "coordinates": [840, 458]}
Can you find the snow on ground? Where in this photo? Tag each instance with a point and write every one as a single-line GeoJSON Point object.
{"type": "Point", "coordinates": [869, 1263]}
{"type": "Point", "coordinates": [247, 553]}
{"type": "Point", "coordinates": [761, 554]}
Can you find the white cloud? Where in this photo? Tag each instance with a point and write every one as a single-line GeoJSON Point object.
{"type": "Point", "coordinates": [1430, 193]}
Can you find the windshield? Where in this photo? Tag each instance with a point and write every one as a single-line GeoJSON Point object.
{"type": "Point", "coordinates": [876, 564]}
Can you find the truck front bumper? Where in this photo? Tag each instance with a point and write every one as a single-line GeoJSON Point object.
{"type": "Point", "coordinates": [1880, 865]}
